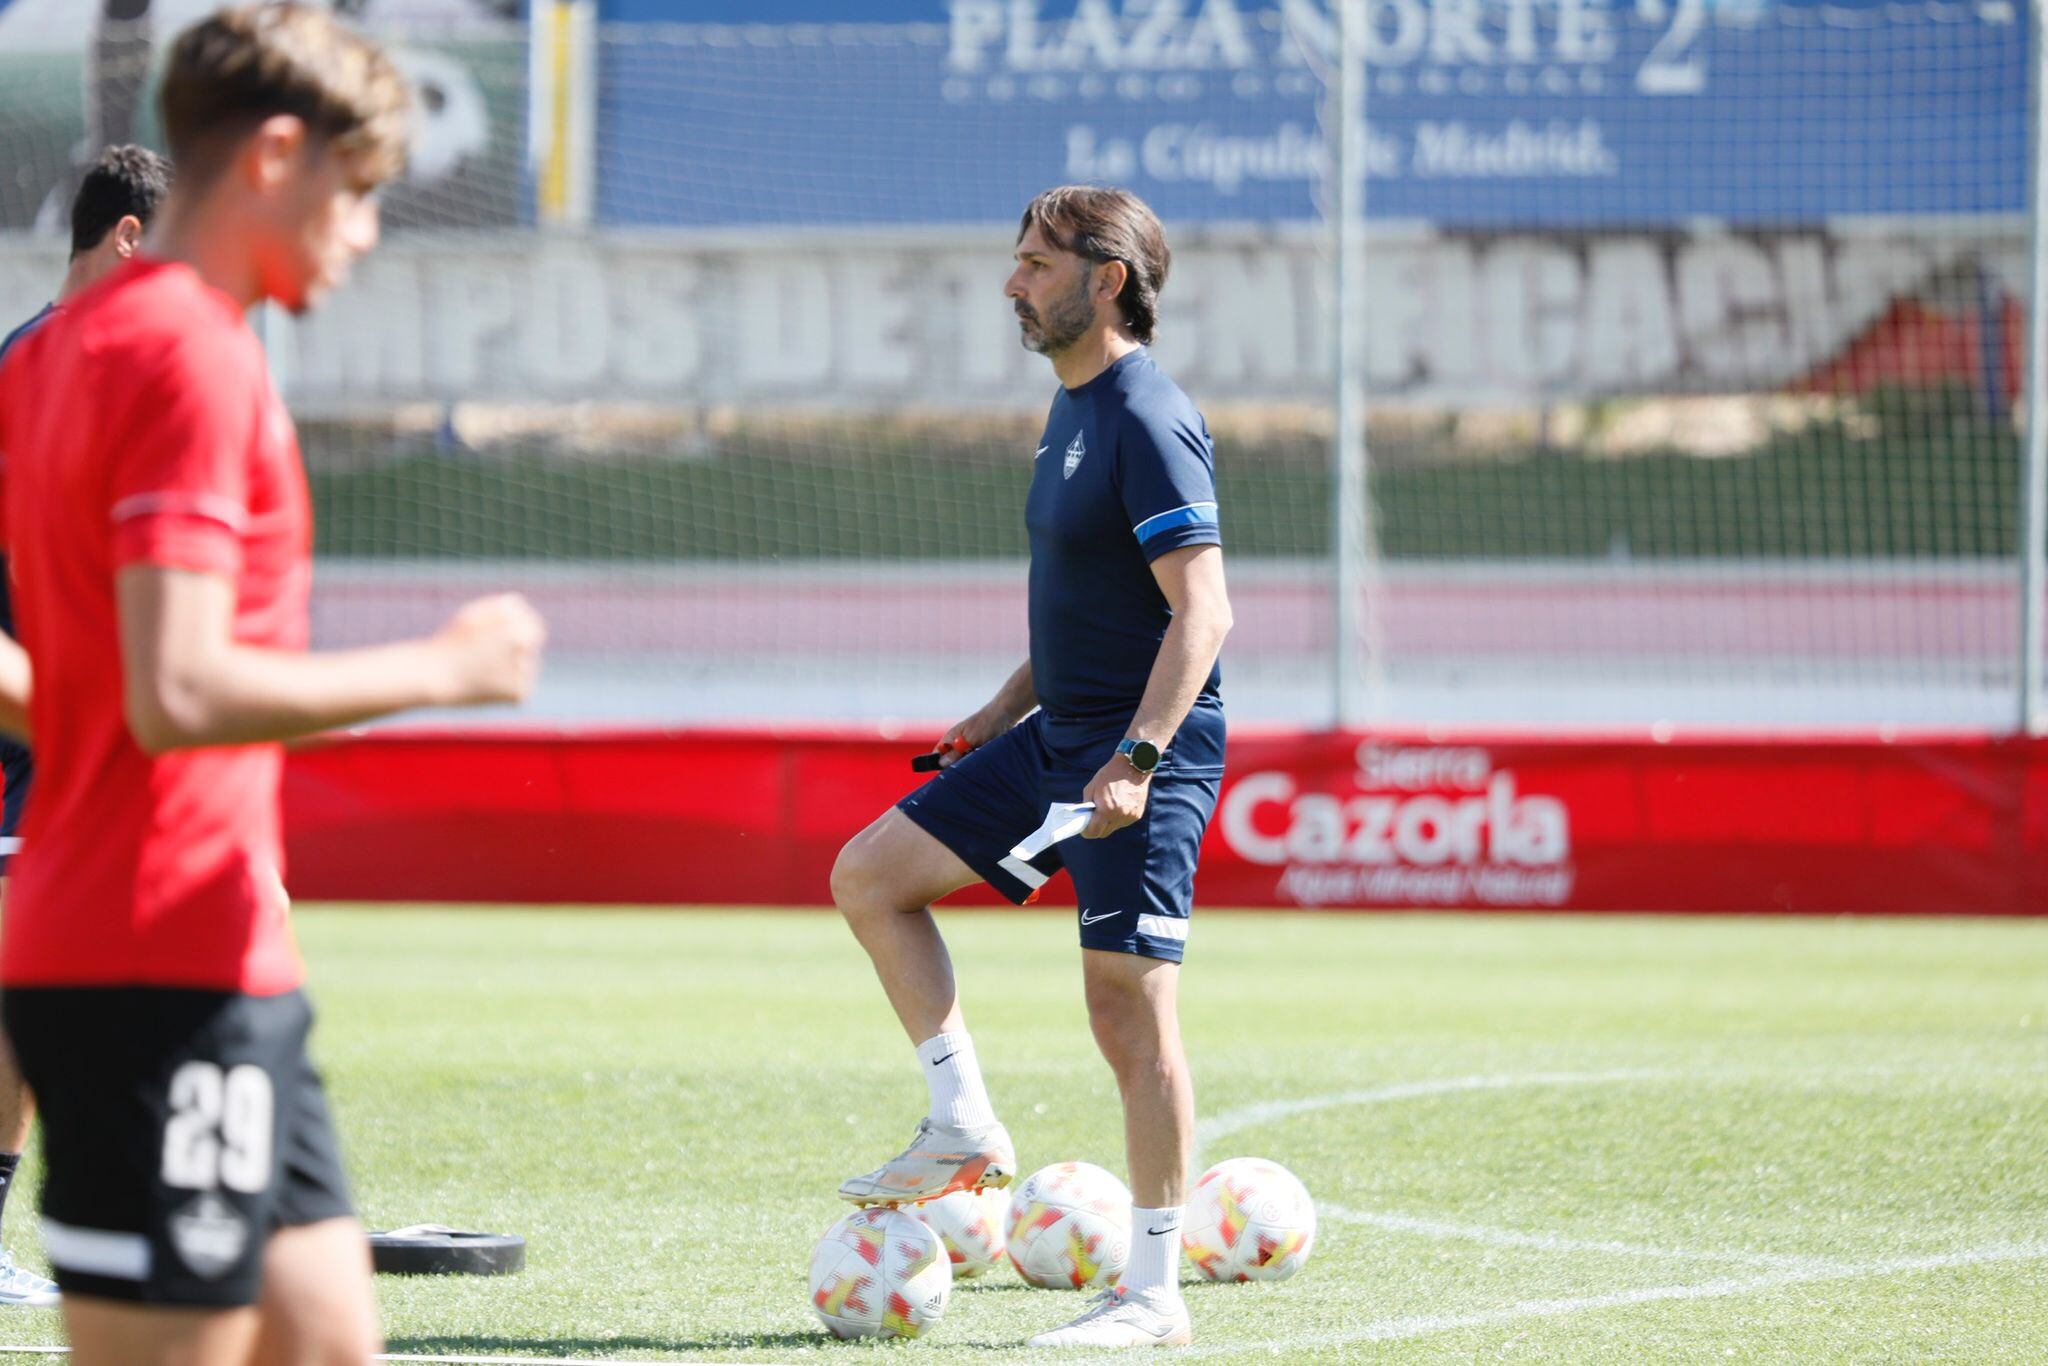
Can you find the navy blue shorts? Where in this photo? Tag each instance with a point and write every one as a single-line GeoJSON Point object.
{"type": "Point", "coordinates": [1136, 887]}
{"type": "Point", "coordinates": [15, 764]}
{"type": "Point", "coordinates": [15, 768]}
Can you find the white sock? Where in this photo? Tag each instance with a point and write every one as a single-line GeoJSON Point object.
{"type": "Point", "coordinates": [954, 1077]}
{"type": "Point", "coordinates": [1155, 1250]}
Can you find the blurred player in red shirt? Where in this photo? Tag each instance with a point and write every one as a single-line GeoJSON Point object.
{"type": "Point", "coordinates": [116, 199]}
{"type": "Point", "coordinates": [157, 520]}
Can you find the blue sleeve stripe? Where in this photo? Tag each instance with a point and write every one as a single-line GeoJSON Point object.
{"type": "Point", "coordinates": [1187, 515]}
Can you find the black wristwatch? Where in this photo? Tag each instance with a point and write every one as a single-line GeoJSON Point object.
{"type": "Point", "coordinates": [1142, 755]}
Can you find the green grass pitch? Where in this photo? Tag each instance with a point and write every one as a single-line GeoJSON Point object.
{"type": "Point", "coordinates": [1566, 1139]}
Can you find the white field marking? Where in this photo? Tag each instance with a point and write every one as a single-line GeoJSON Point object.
{"type": "Point", "coordinates": [540, 1361]}
{"type": "Point", "coordinates": [1250, 1116]}
{"type": "Point", "coordinates": [517, 1361]}
{"type": "Point", "coordinates": [1793, 1270]}
{"type": "Point", "coordinates": [1267, 1112]}
{"type": "Point", "coordinates": [1429, 1325]}
{"type": "Point", "coordinates": [1550, 1242]}
{"type": "Point", "coordinates": [1264, 1112]}
{"type": "Point", "coordinates": [522, 1361]}
{"type": "Point", "coordinates": [405, 1356]}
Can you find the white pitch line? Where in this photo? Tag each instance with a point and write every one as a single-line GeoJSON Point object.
{"type": "Point", "coordinates": [1789, 1270]}
{"type": "Point", "coordinates": [1401, 1329]}
{"type": "Point", "coordinates": [1250, 1116]}
{"type": "Point", "coordinates": [518, 1361]}
{"type": "Point", "coordinates": [1796, 1270]}
{"type": "Point", "coordinates": [1265, 1112]}
{"type": "Point", "coordinates": [407, 1356]}
{"type": "Point", "coordinates": [1550, 1242]}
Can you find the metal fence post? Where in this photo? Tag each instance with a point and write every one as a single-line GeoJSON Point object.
{"type": "Point", "coordinates": [1357, 656]}
{"type": "Point", "coordinates": [2033, 547]}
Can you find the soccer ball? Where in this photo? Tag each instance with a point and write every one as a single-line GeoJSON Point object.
{"type": "Point", "coordinates": [1070, 1226]}
{"type": "Point", "coordinates": [970, 1224]}
{"type": "Point", "coordinates": [879, 1273]}
{"type": "Point", "coordinates": [1249, 1220]}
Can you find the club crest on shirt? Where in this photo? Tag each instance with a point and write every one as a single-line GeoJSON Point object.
{"type": "Point", "coordinates": [1075, 450]}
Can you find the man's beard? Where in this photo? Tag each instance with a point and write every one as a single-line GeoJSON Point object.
{"type": "Point", "coordinates": [1065, 322]}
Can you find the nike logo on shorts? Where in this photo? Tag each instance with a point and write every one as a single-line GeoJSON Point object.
{"type": "Point", "coordinates": [1087, 919]}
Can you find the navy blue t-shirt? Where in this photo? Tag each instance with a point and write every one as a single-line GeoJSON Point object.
{"type": "Point", "coordinates": [1125, 472]}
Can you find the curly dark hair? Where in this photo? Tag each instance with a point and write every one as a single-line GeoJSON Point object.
{"type": "Point", "coordinates": [127, 181]}
{"type": "Point", "coordinates": [1102, 224]}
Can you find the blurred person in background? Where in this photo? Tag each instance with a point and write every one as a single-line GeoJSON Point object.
{"type": "Point", "coordinates": [113, 206]}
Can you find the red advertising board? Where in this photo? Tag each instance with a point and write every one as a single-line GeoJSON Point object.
{"type": "Point", "coordinates": [1828, 824]}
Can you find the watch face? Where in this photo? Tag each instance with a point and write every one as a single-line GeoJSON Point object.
{"type": "Point", "coordinates": [1144, 756]}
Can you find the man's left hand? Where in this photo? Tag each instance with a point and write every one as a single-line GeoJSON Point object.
{"type": "Point", "coordinates": [1119, 793]}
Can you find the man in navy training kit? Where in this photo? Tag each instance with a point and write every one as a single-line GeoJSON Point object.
{"type": "Point", "coordinates": [1128, 612]}
{"type": "Point", "coordinates": [115, 201]}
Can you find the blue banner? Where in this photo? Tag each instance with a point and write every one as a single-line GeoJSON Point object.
{"type": "Point", "coordinates": [771, 11]}
{"type": "Point", "coordinates": [1483, 114]}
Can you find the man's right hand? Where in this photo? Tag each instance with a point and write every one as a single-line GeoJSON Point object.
{"type": "Point", "coordinates": [971, 734]}
{"type": "Point", "coordinates": [493, 646]}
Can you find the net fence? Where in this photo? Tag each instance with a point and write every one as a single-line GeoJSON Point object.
{"type": "Point", "coordinates": [1692, 347]}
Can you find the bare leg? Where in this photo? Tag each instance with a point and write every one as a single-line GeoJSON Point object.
{"type": "Point", "coordinates": [1133, 1004]}
{"type": "Point", "coordinates": [115, 1333]}
{"type": "Point", "coordinates": [17, 1109]}
{"type": "Point", "coordinates": [17, 1106]}
{"type": "Point", "coordinates": [317, 1307]}
{"type": "Point", "coordinates": [316, 1310]}
{"type": "Point", "coordinates": [884, 882]}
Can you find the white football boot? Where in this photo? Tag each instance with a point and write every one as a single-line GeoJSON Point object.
{"type": "Point", "coordinates": [18, 1285]}
{"type": "Point", "coordinates": [940, 1160]}
{"type": "Point", "coordinates": [1126, 1318]}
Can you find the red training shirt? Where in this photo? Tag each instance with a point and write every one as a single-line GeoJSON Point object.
{"type": "Point", "coordinates": [141, 427]}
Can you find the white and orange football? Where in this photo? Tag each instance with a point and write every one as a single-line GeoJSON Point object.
{"type": "Point", "coordinates": [1249, 1220]}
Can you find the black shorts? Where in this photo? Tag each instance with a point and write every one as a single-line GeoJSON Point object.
{"type": "Point", "coordinates": [180, 1129]}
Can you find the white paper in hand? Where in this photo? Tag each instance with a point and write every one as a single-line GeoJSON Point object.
{"type": "Point", "coordinates": [1063, 820]}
